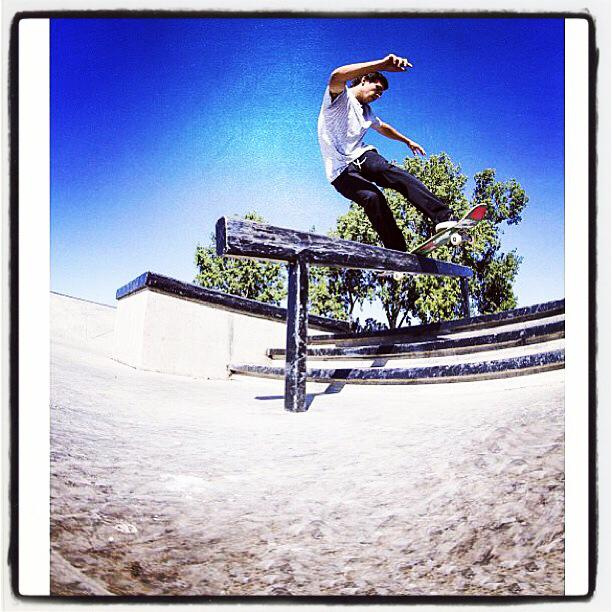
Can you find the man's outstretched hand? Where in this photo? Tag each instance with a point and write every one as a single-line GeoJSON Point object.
{"type": "Point", "coordinates": [395, 63]}
{"type": "Point", "coordinates": [415, 147]}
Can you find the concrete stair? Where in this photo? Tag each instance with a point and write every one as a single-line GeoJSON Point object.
{"type": "Point", "coordinates": [522, 341]}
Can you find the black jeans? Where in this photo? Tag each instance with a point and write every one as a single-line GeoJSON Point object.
{"type": "Point", "coordinates": [357, 184]}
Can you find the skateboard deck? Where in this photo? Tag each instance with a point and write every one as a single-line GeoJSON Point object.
{"type": "Point", "coordinates": [458, 233]}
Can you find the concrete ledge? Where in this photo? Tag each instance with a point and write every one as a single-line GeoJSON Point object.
{"type": "Point", "coordinates": [502, 368]}
{"type": "Point", "coordinates": [432, 330]}
{"type": "Point", "coordinates": [225, 301]}
{"type": "Point", "coordinates": [433, 348]}
{"type": "Point", "coordinates": [168, 326]}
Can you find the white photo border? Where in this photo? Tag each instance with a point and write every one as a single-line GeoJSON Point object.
{"type": "Point", "coordinates": [33, 316]}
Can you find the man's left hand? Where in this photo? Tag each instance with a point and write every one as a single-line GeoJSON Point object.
{"type": "Point", "coordinates": [415, 147]}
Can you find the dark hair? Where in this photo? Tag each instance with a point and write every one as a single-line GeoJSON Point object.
{"type": "Point", "coordinates": [373, 77]}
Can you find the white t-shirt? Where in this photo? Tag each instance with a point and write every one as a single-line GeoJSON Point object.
{"type": "Point", "coordinates": [343, 123]}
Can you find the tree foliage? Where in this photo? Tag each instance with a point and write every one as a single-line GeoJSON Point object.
{"type": "Point", "coordinates": [263, 281]}
{"type": "Point", "coordinates": [326, 295]}
{"type": "Point", "coordinates": [429, 298]}
{"type": "Point", "coordinates": [337, 292]}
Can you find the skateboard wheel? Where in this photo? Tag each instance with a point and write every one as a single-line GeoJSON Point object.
{"type": "Point", "coordinates": [456, 239]}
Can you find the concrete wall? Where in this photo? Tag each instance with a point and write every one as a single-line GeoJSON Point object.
{"type": "Point", "coordinates": [82, 323]}
{"type": "Point", "coordinates": [166, 333]}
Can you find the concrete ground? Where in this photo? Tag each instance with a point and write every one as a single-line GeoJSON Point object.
{"type": "Point", "coordinates": [167, 485]}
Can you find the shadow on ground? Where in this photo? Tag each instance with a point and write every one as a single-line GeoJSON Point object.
{"type": "Point", "coordinates": [334, 387]}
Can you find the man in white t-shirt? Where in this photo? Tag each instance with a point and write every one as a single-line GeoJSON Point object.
{"type": "Point", "coordinates": [354, 168]}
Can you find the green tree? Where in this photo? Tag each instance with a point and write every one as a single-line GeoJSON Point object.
{"type": "Point", "coordinates": [428, 298]}
{"type": "Point", "coordinates": [263, 281]}
{"type": "Point", "coordinates": [326, 297]}
{"type": "Point", "coordinates": [336, 292]}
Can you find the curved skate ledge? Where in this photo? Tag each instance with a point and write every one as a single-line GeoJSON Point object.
{"type": "Point", "coordinates": [219, 299]}
{"type": "Point", "coordinates": [503, 368]}
{"type": "Point", "coordinates": [526, 313]}
{"type": "Point", "coordinates": [439, 348]}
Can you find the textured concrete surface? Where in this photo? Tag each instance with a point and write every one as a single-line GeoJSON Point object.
{"type": "Point", "coordinates": [165, 484]}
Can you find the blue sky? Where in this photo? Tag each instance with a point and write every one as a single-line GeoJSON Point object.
{"type": "Point", "coordinates": [161, 126]}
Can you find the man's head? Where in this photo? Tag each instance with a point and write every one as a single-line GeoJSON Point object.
{"type": "Point", "coordinates": [369, 87]}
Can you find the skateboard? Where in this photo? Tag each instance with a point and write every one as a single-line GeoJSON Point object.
{"type": "Point", "coordinates": [456, 235]}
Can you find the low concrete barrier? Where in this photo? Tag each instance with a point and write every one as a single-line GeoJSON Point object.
{"type": "Point", "coordinates": [446, 373]}
{"type": "Point", "coordinates": [82, 323]}
{"type": "Point", "coordinates": [169, 326]}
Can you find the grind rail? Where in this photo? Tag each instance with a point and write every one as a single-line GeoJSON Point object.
{"type": "Point", "coordinates": [248, 239]}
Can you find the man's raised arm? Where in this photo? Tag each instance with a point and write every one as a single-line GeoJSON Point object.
{"type": "Point", "coordinates": [390, 132]}
{"type": "Point", "coordinates": [391, 63]}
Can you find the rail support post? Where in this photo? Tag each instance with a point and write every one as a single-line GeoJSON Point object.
{"type": "Point", "coordinates": [465, 297]}
{"type": "Point", "coordinates": [297, 332]}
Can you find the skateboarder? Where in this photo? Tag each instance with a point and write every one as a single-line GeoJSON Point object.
{"type": "Point", "coordinates": [354, 168]}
